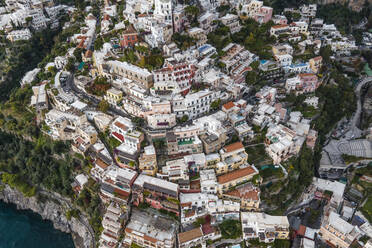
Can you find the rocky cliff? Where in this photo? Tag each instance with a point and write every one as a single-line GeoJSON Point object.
{"type": "Point", "coordinates": [51, 207]}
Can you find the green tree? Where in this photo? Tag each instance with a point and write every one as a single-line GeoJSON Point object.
{"type": "Point", "coordinates": [192, 13]}
{"type": "Point", "coordinates": [138, 121]}
{"type": "Point", "coordinates": [184, 118]}
{"type": "Point", "coordinates": [103, 106]}
{"type": "Point", "coordinates": [251, 78]}
{"type": "Point", "coordinates": [216, 104]}
{"type": "Point", "coordinates": [70, 66]}
{"type": "Point", "coordinates": [77, 54]}
{"type": "Point", "coordinates": [98, 43]}
{"type": "Point", "coordinates": [326, 53]}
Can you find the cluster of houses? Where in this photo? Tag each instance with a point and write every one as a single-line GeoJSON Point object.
{"type": "Point", "coordinates": [184, 162]}
{"type": "Point", "coordinates": [18, 17]}
{"type": "Point", "coordinates": [340, 224]}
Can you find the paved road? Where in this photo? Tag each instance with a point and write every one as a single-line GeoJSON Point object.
{"type": "Point", "coordinates": [356, 117]}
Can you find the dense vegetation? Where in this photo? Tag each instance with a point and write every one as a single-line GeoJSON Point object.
{"type": "Point", "coordinates": [341, 15]}
{"type": "Point", "coordinates": [38, 164]}
{"type": "Point", "coordinates": [253, 36]}
{"type": "Point", "coordinates": [24, 56]}
{"type": "Point", "coordinates": [230, 229]}
{"type": "Point", "coordinates": [339, 101]}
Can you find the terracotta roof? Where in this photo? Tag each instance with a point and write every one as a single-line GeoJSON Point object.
{"type": "Point", "coordinates": [233, 146]}
{"type": "Point", "coordinates": [208, 229]}
{"type": "Point", "coordinates": [301, 230]}
{"type": "Point", "coordinates": [280, 26]}
{"type": "Point", "coordinates": [190, 235]}
{"type": "Point", "coordinates": [81, 44]}
{"type": "Point", "coordinates": [189, 214]}
{"type": "Point", "coordinates": [228, 105]}
{"type": "Point", "coordinates": [252, 194]}
{"type": "Point", "coordinates": [101, 164]}
{"type": "Point", "coordinates": [121, 125]}
{"type": "Point", "coordinates": [307, 75]}
{"type": "Point", "coordinates": [186, 204]}
{"type": "Point", "coordinates": [121, 193]}
{"type": "Point", "coordinates": [119, 136]}
{"type": "Point", "coordinates": [88, 53]}
{"type": "Point", "coordinates": [236, 175]}
{"type": "Point", "coordinates": [318, 58]}
{"type": "Point", "coordinates": [130, 30]}
{"type": "Point", "coordinates": [151, 239]}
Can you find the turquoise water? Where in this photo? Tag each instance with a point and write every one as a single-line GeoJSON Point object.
{"type": "Point", "coordinates": [21, 229]}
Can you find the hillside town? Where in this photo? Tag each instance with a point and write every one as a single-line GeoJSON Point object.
{"type": "Point", "coordinates": [199, 122]}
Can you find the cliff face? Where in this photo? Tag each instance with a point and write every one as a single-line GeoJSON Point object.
{"type": "Point", "coordinates": [51, 208]}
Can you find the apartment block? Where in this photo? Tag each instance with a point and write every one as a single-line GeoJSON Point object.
{"type": "Point", "coordinates": [147, 161]}
{"type": "Point", "coordinates": [302, 83]}
{"type": "Point", "coordinates": [248, 196]}
{"type": "Point", "coordinates": [116, 184]}
{"type": "Point", "coordinates": [208, 181]}
{"type": "Point", "coordinates": [111, 223]}
{"type": "Point", "coordinates": [280, 143]}
{"type": "Point", "coordinates": [194, 104]}
{"type": "Point", "coordinates": [190, 238]}
{"type": "Point", "coordinates": [15, 35]}
{"type": "Point", "coordinates": [212, 133]}
{"type": "Point", "coordinates": [125, 70]}
{"type": "Point", "coordinates": [150, 231]}
{"type": "Point", "coordinates": [184, 140]}
{"type": "Point", "coordinates": [265, 227]}
{"type": "Point", "coordinates": [337, 231]}
{"type": "Point", "coordinates": [156, 186]}
{"type": "Point", "coordinates": [256, 10]}
{"type": "Point", "coordinates": [232, 22]}
{"type": "Point", "coordinates": [236, 177]}
{"type": "Point", "coordinates": [316, 64]}
{"type": "Point", "coordinates": [173, 78]}
{"type": "Point", "coordinates": [113, 96]}
{"type": "Point", "coordinates": [177, 171]}
{"type": "Point", "coordinates": [161, 121]}
{"type": "Point", "coordinates": [232, 157]}
{"type": "Point", "coordinates": [279, 29]}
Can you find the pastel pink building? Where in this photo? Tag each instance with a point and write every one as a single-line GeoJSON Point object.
{"type": "Point", "coordinates": [309, 82]}
{"type": "Point", "coordinates": [264, 15]}
{"type": "Point", "coordinates": [256, 10]}
{"type": "Point", "coordinates": [280, 20]}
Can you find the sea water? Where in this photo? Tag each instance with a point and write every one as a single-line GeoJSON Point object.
{"type": "Point", "coordinates": [25, 229]}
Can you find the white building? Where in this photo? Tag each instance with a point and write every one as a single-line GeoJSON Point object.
{"type": "Point", "coordinates": [231, 21]}
{"type": "Point", "coordinates": [265, 227]}
{"type": "Point", "coordinates": [163, 10]}
{"type": "Point", "coordinates": [161, 121]}
{"type": "Point", "coordinates": [194, 104]}
{"type": "Point", "coordinates": [15, 35]}
{"type": "Point", "coordinates": [208, 181]}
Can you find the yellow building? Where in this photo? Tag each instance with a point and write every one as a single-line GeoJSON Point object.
{"type": "Point", "coordinates": [231, 179]}
{"type": "Point", "coordinates": [248, 196]}
{"type": "Point", "coordinates": [114, 96]}
{"type": "Point", "coordinates": [232, 157]}
{"type": "Point", "coordinates": [316, 63]}
{"type": "Point", "coordinates": [337, 231]}
{"type": "Point", "coordinates": [147, 161]}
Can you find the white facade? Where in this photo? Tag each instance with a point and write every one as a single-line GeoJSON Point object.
{"type": "Point", "coordinates": [194, 104]}
{"type": "Point", "coordinates": [23, 34]}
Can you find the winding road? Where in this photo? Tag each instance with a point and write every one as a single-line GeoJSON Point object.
{"type": "Point", "coordinates": [356, 118]}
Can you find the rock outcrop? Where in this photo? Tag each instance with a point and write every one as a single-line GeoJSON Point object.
{"type": "Point", "coordinates": [51, 207]}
